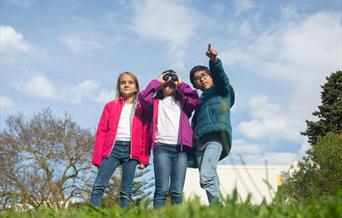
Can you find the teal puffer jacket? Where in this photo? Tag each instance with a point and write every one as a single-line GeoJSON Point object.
{"type": "Point", "coordinates": [213, 114]}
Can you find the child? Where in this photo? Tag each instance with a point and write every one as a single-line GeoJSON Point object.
{"type": "Point", "coordinates": [170, 102]}
{"type": "Point", "coordinates": [211, 122]}
{"type": "Point", "coordinates": [120, 140]}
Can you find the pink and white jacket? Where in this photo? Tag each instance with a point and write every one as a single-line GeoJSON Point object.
{"type": "Point", "coordinates": [189, 100]}
{"type": "Point", "coordinates": [107, 129]}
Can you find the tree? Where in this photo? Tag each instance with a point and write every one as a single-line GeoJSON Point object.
{"type": "Point", "coordinates": [140, 192]}
{"type": "Point", "coordinates": [44, 161]}
{"type": "Point", "coordinates": [320, 171]}
{"type": "Point", "coordinates": [330, 112]}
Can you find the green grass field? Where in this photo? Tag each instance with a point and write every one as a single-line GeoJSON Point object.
{"type": "Point", "coordinates": [326, 206]}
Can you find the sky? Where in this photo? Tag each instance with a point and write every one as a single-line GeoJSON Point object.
{"type": "Point", "coordinates": [66, 56]}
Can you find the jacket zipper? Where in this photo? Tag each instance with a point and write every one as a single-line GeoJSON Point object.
{"type": "Point", "coordinates": [180, 141]}
{"type": "Point", "coordinates": [117, 124]}
{"type": "Point", "coordinates": [131, 117]}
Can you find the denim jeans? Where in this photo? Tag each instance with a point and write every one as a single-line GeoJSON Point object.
{"type": "Point", "coordinates": [169, 172]}
{"type": "Point", "coordinates": [207, 156]}
{"type": "Point", "coordinates": [119, 155]}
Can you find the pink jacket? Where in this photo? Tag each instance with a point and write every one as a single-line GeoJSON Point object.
{"type": "Point", "coordinates": [107, 129]}
{"type": "Point", "coordinates": [189, 100]}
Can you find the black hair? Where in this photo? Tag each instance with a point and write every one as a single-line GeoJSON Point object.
{"type": "Point", "coordinates": [194, 70]}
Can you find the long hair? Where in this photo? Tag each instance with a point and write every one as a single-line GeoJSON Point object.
{"type": "Point", "coordinates": [118, 94]}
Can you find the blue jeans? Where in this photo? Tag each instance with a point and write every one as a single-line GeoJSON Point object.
{"type": "Point", "coordinates": [169, 172]}
{"type": "Point", "coordinates": [119, 155]}
{"type": "Point", "coordinates": [207, 156]}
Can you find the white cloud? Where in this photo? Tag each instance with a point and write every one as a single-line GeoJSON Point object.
{"type": "Point", "coordinates": [79, 45]}
{"type": "Point", "coordinates": [6, 102]}
{"type": "Point", "coordinates": [105, 96]}
{"type": "Point", "coordinates": [11, 40]}
{"type": "Point", "coordinates": [172, 22]}
{"type": "Point", "coordinates": [270, 122]}
{"type": "Point", "coordinates": [304, 147]}
{"type": "Point", "coordinates": [245, 28]}
{"type": "Point", "coordinates": [240, 146]}
{"type": "Point", "coordinates": [39, 87]}
{"type": "Point", "coordinates": [314, 45]}
{"type": "Point", "coordinates": [280, 157]}
{"type": "Point", "coordinates": [23, 3]}
{"type": "Point", "coordinates": [295, 51]}
{"type": "Point", "coordinates": [289, 12]}
{"type": "Point", "coordinates": [164, 20]}
{"type": "Point", "coordinates": [272, 158]}
{"type": "Point", "coordinates": [300, 53]}
{"type": "Point", "coordinates": [246, 152]}
{"type": "Point", "coordinates": [218, 8]}
{"type": "Point", "coordinates": [82, 91]}
{"type": "Point", "coordinates": [243, 5]}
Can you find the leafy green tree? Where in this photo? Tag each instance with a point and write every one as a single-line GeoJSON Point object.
{"type": "Point", "coordinates": [330, 112]}
{"type": "Point", "coordinates": [320, 172]}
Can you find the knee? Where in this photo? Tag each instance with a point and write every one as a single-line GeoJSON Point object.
{"type": "Point", "coordinates": [206, 180]}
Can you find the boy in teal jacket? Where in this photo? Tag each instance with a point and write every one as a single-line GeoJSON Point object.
{"type": "Point", "coordinates": [211, 122]}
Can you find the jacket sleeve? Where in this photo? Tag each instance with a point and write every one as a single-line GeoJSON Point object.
{"type": "Point", "coordinates": [146, 96]}
{"type": "Point", "coordinates": [146, 144]}
{"type": "Point", "coordinates": [220, 78]}
{"type": "Point", "coordinates": [100, 137]}
{"type": "Point", "coordinates": [188, 98]}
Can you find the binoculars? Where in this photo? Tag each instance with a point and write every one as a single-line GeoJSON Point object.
{"type": "Point", "coordinates": [171, 74]}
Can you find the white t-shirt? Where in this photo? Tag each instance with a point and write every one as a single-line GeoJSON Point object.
{"type": "Point", "coordinates": [169, 111]}
{"type": "Point", "coordinates": [124, 126]}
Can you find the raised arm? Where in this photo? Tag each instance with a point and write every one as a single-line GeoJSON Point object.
{"type": "Point", "coordinates": [188, 98]}
{"type": "Point", "coordinates": [146, 96]}
{"type": "Point", "coordinates": [220, 78]}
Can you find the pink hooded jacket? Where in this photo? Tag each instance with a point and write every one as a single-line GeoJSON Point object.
{"type": "Point", "coordinates": [107, 129]}
{"type": "Point", "coordinates": [188, 99]}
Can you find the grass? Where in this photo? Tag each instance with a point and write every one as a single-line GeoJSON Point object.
{"type": "Point", "coordinates": [325, 206]}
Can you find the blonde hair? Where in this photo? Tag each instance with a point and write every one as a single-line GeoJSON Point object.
{"type": "Point", "coordinates": [136, 85]}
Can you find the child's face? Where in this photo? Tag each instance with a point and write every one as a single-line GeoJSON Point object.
{"type": "Point", "coordinates": [203, 80]}
{"type": "Point", "coordinates": [169, 88]}
{"type": "Point", "coordinates": [127, 86]}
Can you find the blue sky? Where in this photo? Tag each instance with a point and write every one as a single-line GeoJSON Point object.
{"type": "Point", "coordinates": [66, 55]}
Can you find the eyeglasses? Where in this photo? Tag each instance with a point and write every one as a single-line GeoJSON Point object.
{"type": "Point", "coordinates": [203, 75]}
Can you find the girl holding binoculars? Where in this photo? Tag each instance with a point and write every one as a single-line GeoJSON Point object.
{"type": "Point", "coordinates": [169, 102]}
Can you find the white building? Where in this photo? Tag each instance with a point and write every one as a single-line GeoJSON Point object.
{"type": "Point", "coordinates": [261, 181]}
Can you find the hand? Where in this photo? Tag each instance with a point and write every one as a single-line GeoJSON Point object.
{"type": "Point", "coordinates": [178, 81]}
{"type": "Point", "coordinates": [161, 80]}
{"type": "Point", "coordinates": [211, 53]}
{"type": "Point", "coordinates": [141, 166]}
